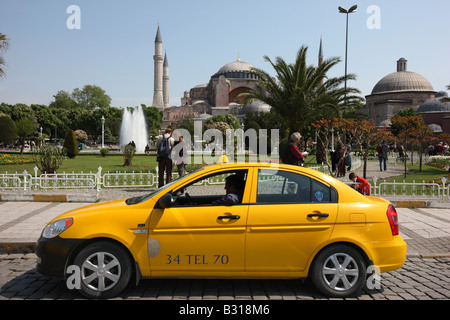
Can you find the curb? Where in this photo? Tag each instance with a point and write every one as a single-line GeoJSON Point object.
{"type": "Point", "coordinates": [50, 197]}
{"type": "Point", "coordinates": [418, 204]}
{"type": "Point", "coordinates": [15, 247]}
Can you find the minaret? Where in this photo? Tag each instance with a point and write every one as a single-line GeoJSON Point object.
{"type": "Point", "coordinates": [166, 81]}
{"type": "Point", "coordinates": [158, 72]}
{"type": "Point", "coordinates": [320, 52]}
{"type": "Point", "coordinates": [320, 56]}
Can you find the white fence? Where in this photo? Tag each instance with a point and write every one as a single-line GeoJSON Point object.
{"type": "Point", "coordinates": [92, 182]}
{"type": "Point", "coordinates": [411, 190]}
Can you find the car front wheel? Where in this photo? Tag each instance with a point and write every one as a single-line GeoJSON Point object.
{"type": "Point", "coordinates": [105, 270]}
{"type": "Point", "coordinates": [339, 271]}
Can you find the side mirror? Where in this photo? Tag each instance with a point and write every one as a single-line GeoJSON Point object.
{"type": "Point", "coordinates": [166, 201]}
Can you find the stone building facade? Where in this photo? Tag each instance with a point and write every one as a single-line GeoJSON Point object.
{"type": "Point", "coordinates": [436, 113]}
{"type": "Point", "coordinates": [219, 95]}
{"type": "Point", "coordinates": [397, 91]}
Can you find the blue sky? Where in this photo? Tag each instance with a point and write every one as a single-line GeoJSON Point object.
{"type": "Point", "coordinates": [114, 47]}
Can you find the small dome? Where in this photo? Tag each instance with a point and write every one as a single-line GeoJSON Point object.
{"type": "Point", "coordinates": [256, 106]}
{"type": "Point", "coordinates": [435, 104]}
{"type": "Point", "coordinates": [435, 128]}
{"type": "Point", "coordinates": [402, 80]}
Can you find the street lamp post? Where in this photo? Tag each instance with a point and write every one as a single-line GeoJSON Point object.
{"type": "Point", "coordinates": [342, 10]}
{"type": "Point", "coordinates": [103, 132]}
{"type": "Point", "coordinates": [56, 104]}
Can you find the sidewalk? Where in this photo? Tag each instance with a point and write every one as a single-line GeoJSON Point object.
{"type": "Point", "coordinates": [373, 170]}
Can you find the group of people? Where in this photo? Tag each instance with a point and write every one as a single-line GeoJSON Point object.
{"type": "Point", "coordinates": [440, 149]}
{"type": "Point", "coordinates": [341, 160]}
{"type": "Point", "coordinates": [291, 154]}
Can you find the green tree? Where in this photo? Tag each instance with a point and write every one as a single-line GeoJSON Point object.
{"type": "Point", "coordinates": [24, 128]}
{"type": "Point", "coordinates": [153, 117]}
{"type": "Point", "coordinates": [7, 129]}
{"type": "Point", "coordinates": [70, 144]}
{"type": "Point", "coordinates": [91, 97]}
{"type": "Point", "coordinates": [64, 100]}
{"type": "Point", "coordinates": [44, 117]}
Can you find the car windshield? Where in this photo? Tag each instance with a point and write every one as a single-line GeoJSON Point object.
{"type": "Point", "coordinates": [139, 199]}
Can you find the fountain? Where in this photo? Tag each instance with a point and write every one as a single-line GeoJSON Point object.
{"type": "Point", "coordinates": [134, 128]}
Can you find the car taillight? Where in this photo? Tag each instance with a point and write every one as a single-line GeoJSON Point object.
{"type": "Point", "coordinates": [393, 219]}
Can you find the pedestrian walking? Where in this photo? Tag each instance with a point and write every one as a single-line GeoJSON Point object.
{"type": "Point", "coordinates": [383, 150]}
{"type": "Point", "coordinates": [164, 147]}
{"type": "Point", "coordinates": [181, 156]}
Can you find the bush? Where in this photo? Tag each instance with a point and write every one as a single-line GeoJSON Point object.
{"type": "Point", "coordinates": [50, 158]}
{"type": "Point", "coordinates": [7, 129]}
{"type": "Point", "coordinates": [70, 144]}
{"type": "Point", "coordinates": [128, 154]}
{"type": "Point", "coordinates": [81, 135]}
{"type": "Point", "coordinates": [104, 151]}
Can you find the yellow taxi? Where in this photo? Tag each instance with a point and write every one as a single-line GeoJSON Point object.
{"type": "Point", "coordinates": [248, 220]}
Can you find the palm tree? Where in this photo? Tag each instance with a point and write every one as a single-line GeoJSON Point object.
{"type": "Point", "coordinates": [446, 99]}
{"type": "Point", "coordinates": [3, 46]}
{"type": "Point", "coordinates": [302, 94]}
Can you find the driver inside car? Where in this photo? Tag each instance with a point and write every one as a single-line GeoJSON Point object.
{"type": "Point", "coordinates": [234, 186]}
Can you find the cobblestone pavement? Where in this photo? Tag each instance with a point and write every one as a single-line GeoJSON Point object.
{"type": "Point", "coordinates": [419, 279]}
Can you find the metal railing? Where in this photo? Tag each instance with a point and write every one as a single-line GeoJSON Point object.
{"type": "Point", "coordinates": [92, 182]}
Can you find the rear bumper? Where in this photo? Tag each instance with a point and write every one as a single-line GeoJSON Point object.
{"type": "Point", "coordinates": [53, 255]}
{"type": "Point", "coordinates": [388, 255]}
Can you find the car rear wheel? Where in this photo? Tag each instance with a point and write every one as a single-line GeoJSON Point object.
{"type": "Point", "coordinates": [105, 270]}
{"type": "Point", "coordinates": [339, 271]}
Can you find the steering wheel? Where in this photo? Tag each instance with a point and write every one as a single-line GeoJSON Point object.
{"type": "Point", "coordinates": [189, 198]}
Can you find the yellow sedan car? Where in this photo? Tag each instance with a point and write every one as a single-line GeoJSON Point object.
{"type": "Point", "coordinates": [249, 220]}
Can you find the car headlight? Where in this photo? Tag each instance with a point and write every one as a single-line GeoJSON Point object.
{"type": "Point", "coordinates": [56, 228]}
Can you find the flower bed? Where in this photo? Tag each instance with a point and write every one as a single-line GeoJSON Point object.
{"type": "Point", "coordinates": [10, 159]}
{"type": "Point", "coordinates": [442, 162]}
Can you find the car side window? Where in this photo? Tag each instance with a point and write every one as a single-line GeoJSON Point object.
{"type": "Point", "coordinates": [209, 190]}
{"type": "Point", "coordinates": [320, 193]}
{"type": "Point", "coordinates": [289, 187]}
{"type": "Point", "coordinates": [282, 187]}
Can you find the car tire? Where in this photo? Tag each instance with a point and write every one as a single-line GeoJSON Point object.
{"type": "Point", "coordinates": [105, 270]}
{"type": "Point", "coordinates": [339, 271]}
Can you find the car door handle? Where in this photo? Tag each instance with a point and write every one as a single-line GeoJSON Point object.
{"type": "Point", "coordinates": [229, 217]}
{"type": "Point", "coordinates": [318, 215]}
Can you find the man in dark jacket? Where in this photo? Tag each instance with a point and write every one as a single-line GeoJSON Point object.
{"type": "Point", "coordinates": [291, 154]}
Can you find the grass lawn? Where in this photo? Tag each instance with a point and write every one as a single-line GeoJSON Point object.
{"type": "Point", "coordinates": [87, 163]}
{"type": "Point", "coordinates": [427, 174]}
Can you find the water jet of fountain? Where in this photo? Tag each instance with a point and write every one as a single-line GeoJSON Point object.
{"type": "Point", "coordinates": [134, 128]}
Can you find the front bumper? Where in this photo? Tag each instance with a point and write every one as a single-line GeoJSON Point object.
{"type": "Point", "coordinates": [53, 255]}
